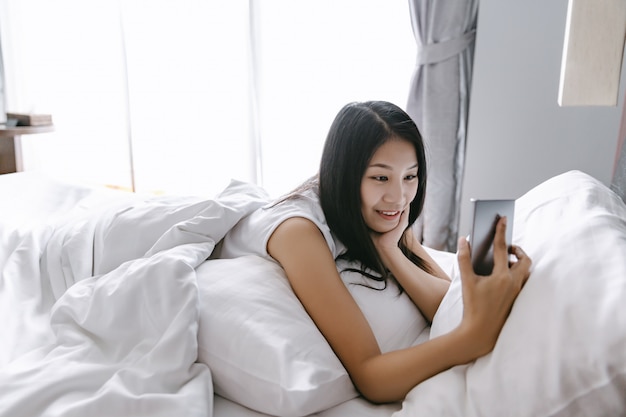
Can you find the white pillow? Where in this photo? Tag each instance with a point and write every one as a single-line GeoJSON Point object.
{"type": "Point", "coordinates": [263, 349]}
{"type": "Point", "coordinates": [562, 352]}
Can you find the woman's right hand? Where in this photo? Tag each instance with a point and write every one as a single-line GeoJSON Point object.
{"type": "Point", "coordinates": [488, 300]}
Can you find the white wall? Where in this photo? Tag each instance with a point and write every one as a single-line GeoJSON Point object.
{"type": "Point", "coordinates": [518, 136]}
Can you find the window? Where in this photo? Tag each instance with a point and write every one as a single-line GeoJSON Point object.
{"type": "Point", "coordinates": [179, 97]}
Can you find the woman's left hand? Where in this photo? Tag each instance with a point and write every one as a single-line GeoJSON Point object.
{"type": "Point", "coordinates": [388, 241]}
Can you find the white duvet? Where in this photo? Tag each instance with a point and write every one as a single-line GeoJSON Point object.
{"type": "Point", "coordinates": [99, 302]}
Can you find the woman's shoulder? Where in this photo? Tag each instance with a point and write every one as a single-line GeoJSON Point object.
{"type": "Point", "coordinates": [306, 201]}
{"type": "Point", "coordinates": [252, 233]}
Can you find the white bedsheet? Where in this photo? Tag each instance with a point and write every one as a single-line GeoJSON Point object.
{"type": "Point", "coordinates": [357, 407]}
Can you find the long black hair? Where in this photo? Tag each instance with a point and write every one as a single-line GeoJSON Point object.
{"type": "Point", "coordinates": [358, 130]}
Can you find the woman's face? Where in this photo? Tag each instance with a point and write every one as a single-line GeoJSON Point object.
{"type": "Point", "coordinates": [389, 184]}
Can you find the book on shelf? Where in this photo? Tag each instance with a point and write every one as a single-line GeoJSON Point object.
{"type": "Point", "coordinates": [25, 119]}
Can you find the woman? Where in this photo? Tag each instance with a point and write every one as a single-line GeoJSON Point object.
{"type": "Point", "coordinates": [369, 191]}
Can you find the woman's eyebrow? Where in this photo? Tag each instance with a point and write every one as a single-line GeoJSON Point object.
{"type": "Point", "coordinates": [382, 165]}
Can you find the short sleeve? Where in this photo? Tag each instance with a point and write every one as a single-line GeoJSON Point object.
{"type": "Point", "coordinates": [251, 234]}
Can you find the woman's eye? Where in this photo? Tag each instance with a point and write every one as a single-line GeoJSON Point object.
{"type": "Point", "coordinates": [380, 178]}
{"type": "Point", "coordinates": [410, 177]}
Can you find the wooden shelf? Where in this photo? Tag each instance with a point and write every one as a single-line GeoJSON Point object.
{"type": "Point", "coordinates": [11, 147]}
{"type": "Point", "coordinates": [11, 132]}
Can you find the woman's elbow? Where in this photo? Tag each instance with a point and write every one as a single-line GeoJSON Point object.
{"type": "Point", "coordinates": [378, 391]}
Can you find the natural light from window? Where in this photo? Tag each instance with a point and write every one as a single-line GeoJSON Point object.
{"type": "Point", "coordinates": [180, 80]}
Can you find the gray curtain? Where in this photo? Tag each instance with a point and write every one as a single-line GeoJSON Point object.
{"type": "Point", "coordinates": [438, 102]}
{"type": "Point", "coordinates": [618, 182]}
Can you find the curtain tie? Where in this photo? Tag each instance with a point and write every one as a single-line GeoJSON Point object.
{"type": "Point", "coordinates": [431, 53]}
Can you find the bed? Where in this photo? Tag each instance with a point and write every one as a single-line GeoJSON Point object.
{"type": "Point", "coordinates": [114, 303]}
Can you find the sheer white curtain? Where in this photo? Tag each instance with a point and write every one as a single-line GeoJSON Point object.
{"type": "Point", "coordinates": [188, 86]}
{"type": "Point", "coordinates": [317, 56]}
{"type": "Point", "coordinates": [63, 57]}
{"type": "Point", "coordinates": [160, 90]}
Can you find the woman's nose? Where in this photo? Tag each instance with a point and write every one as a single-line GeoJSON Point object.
{"type": "Point", "coordinates": [394, 192]}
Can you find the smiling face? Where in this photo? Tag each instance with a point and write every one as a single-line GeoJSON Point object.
{"type": "Point", "coordinates": [389, 184]}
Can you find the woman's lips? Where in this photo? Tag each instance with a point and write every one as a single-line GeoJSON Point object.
{"type": "Point", "coordinates": [389, 215]}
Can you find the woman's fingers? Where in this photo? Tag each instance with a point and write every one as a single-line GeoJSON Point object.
{"type": "Point", "coordinates": [500, 251]}
{"type": "Point", "coordinates": [403, 224]}
{"type": "Point", "coordinates": [487, 300]}
{"type": "Point", "coordinates": [465, 262]}
{"type": "Point", "coordinates": [404, 218]}
{"type": "Point", "coordinates": [521, 268]}
{"type": "Point", "coordinates": [388, 241]}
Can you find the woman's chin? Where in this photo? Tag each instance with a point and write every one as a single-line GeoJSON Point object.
{"type": "Point", "coordinates": [383, 228]}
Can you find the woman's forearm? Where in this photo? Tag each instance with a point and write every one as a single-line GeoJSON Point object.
{"type": "Point", "coordinates": [415, 247]}
{"type": "Point", "coordinates": [424, 289]}
{"type": "Point", "coordinates": [389, 377]}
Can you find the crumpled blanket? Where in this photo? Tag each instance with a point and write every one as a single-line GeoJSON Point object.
{"type": "Point", "coordinates": [99, 302]}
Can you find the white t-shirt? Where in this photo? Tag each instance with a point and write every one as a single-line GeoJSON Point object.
{"type": "Point", "coordinates": [251, 234]}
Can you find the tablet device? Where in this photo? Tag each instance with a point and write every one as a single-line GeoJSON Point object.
{"type": "Point", "coordinates": [486, 214]}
